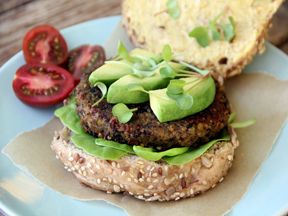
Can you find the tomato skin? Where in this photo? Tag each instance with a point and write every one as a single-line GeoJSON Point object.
{"type": "Point", "coordinates": [44, 44]}
{"type": "Point", "coordinates": [42, 85]}
{"type": "Point", "coordinates": [83, 59]}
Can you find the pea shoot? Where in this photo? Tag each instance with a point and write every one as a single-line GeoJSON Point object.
{"type": "Point", "coordinates": [123, 113]}
{"type": "Point", "coordinates": [201, 34]}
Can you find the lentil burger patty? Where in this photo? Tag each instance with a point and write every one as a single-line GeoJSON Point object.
{"type": "Point", "coordinates": [144, 129]}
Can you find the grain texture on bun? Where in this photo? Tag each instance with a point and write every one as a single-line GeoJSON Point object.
{"type": "Point", "coordinates": [149, 26]}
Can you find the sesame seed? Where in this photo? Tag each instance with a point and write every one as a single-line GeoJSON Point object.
{"type": "Point", "coordinates": [142, 171]}
{"type": "Point", "coordinates": [150, 174]}
{"type": "Point", "coordinates": [71, 159]}
{"type": "Point", "coordinates": [113, 164]}
{"type": "Point", "coordinates": [186, 174]}
{"type": "Point", "coordinates": [148, 167]}
{"type": "Point", "coordinates": [59, 153]}
{"type": "Point", "coordinates": [140, 162]}
{"type": "Point", "coordinates": [193, 170]}
{"type": "Point", "coordinates": [212, 159]}
{"type": "Point", "coordinates": [182, 194]}
{"type": "Point", "coordinates": [156, 180]}
{"type": "Point", "coordinates": [173, 196]}
{"type": "Point", "coordinates": [69, 170]}
{"type": "Point", "coordinates": [166, 168]}
{"type": "Point", "coordinates": [116, 188]}
{"type": "Point", "coordinates": [77, 167]}
{"type": "Point", "coordinates": [181, 175]}
{"type": "Point", "coordinates": [93, 160]}
{"type": "Point", "coordinates": [89, 165]}
{"type": "Point", "coordinates": [214, 186]}
{"type": "Point", "coordinates": [110, 180]}
{"type": "Point", "coordinates": [146, 190]}
{"type": "Point", "coordinates": [131, 175]}
{"type": "Point", "coordinates": [98, 181]}
{"type": "Point", "coordinates": [180, 187]}
{"type": "Point", "coordinates": [191, 191]}
{"type": "Point", "coordinates": [150, 187]}
{"type": "Point", "coordinates": [115, 181]}
{"type": "Point", "coordinates": [109, 192]}
{"type": "Point", "coordinates": [57, 157]}
{"type": "Point", "coordinates": [154, 175]}
{"type": "Point", "coordinates": [118, 165]}
{"type": "Point", "coordinates": [131, 193]}
{"type": "Point", "coordinates": [221, 179]}
{"type": "Point", "coordinates": [91, 171]}
{"type": "Point", "coordinates": [129, 179]}
{"type": "Point", "coordinates": [177, 198]}
{"type": "Point", "coordinates": [141, 180]}
{"type": "Point", "coordinates": [123, 173]}
{"type": "Point", "coordinates": [140, 197]}
{"type": "Point", "coordinates": [136, 180]}
{"type": "Point", "coordinates": [70, 153]}
{"type": "Point", "coordinates": [109, 170]}
{"type": "Point", "coordinates": [98, 167]}
{"type": "Point", "coordinates": [104, 179]}
{"type": "Point", "coordinates": [148, 179]}
{"type": "Point", "coordinates": [80, 172]}
{"type": "Point", "coordinates": [146, 194]}
{"type": "Point", "coordinates": [65, 167]}
{"type": "Point", "coordinates": [152, 169]}
{"type": "Point", "coordinates": [204, 182]}
{"type": "Point", "coordinates": [230, 157]}
{"type": "Point", "coordinates": [72, 168]}
{"type": "Point", "coordinates": [114, 172]}
{"type": "Point", "coordinates": [82, 168]}
{"type": "Point", "coordinates": [142, 166]}
{"type": "Point", "coordinates": [84, 173]}
{"type": "Point", "coordinates": [121, 185]}
{"type": "Point", "coordinates": [176, 176]}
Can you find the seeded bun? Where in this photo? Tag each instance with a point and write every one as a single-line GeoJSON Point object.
{"type": "Point", "coordinates": [151, 27]}
{"type": "Point", "coordinates": [146, 180]}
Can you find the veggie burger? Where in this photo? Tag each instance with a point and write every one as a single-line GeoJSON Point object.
{"type": "Point", "coordinates": [147, 126]}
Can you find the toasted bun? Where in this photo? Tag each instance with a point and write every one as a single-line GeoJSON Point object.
{"type": "Point", "coordinates": [151, 29]}
{"type": "Point", "coordinates": [144, 179]}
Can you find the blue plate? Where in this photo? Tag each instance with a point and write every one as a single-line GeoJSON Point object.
{"type": "Point", "coordinates": [267, 195]}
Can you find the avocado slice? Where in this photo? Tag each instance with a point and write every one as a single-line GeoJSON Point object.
{"type": "Point", "coordinates": [118, 92]}
{"type": "Point", "coordinates": [167, 110]}
{"type": "Point", "coordinates": [109, 73]}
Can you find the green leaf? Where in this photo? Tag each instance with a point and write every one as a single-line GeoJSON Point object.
{"type": "Point", "coordinates": [203, 72]}
{"type": "Point", "coordinates": [229, 29]}
{"type": "Point", "coordinates": [214, 30]}
{"type": "Point", "coordinates": [135, 87]}
{"type": "Point", "coordinates": [176, 86]}
{"type": "Point", "coordinates": [152, 62]}
{"type": "Point", "coordinates": [173, 8]}
{"type": "Point", "coordinates": [69, 117]}
{"type": "Point", "coordinates": [194, 153]}
{"type": "Point", "coordinates": [166, 53]}
{"type": "Point", "coordinates": [151, 154]}
{"type": "Point", "coordinates": [183, 101]}
{"type": "Point", "coordinates": [122, 52]}
{"type": "Point", "coordinates": [103, 89]}
{"type": "Point", "coordinates": [243, 124]}
{"type": "Point", "coordinates": [202, 36]}
{"type": "Point", "coordinates": [87, 143]}
{"type": "Point", "coordinates": [114, 145]}
{"type": "Point", "coordinates": [167, 72]}
{"type": "Point", "coordinates": [123, 113]}
{"type": "Point", "coordinates": [141, 70]}
{"type": "Point", "coordinates": [231, 117]}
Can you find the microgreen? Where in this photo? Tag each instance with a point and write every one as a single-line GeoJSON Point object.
{"type": "Point", "coordinates": [201, 34]}
{"type": "Point", "coordinates": [167, 72]}
{"type": "Point", "coordinates": [137, 87]}
{"type": "Point", "coordinates": [203, 72]}
{"type": "Point", "coordinates": [123, 53]}
{"type": "Point", "coordinates": [123, 113]}
{"type": "Point", "coordinates": [173, 9]}
{"type": "Point", "coordinates": [243, 124]}
{"type": "Point", "coordinates": [231, 117]}
{"type": "Point", "coordinates": [103, 89]}
{"type": "Point", "coordinates": [176, 86]}
{"type": "Point", "coordinates": [183, 101]}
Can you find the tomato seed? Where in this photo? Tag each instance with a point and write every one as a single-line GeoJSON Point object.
{"type": "Point", "coordinates": [56, 40]}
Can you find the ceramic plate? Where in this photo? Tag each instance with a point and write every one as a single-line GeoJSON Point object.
{"type": "Point", "coordinates": [20, 195]}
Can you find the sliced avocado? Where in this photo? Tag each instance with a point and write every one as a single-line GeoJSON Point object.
{"type": "Point", "coordinates": [118, 92]}
{"type": "Point", "coordinates": [167, 110]}
{"type": "Point", "coordinates": [109, 73]}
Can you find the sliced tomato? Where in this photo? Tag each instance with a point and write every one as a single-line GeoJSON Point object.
{"type": "Point", "coordinates": [84, 59]}
{"type": "Point", "coordinates": [44, 44]}
{"type": "Point", "coordinates": [42, 85]}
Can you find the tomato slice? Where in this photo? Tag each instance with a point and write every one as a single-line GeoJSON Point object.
{"type": "Point", "coordinates": [44, 44]}
{"type": "Point", "coordinates": [42, 85]}
{"type": "Point", "coordinates": [84, 59]}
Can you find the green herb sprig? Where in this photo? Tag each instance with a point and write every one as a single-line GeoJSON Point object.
{"type": "Point", "coordinates": [137, 87]}
{"type": "Point", "coordinates": [123, 113]}
{"type": "Point", "coordinates": [201, 34]}
{"type": "Point", "coordinates": [103, 90]}
{"type": "Point", "coordinates": [172, 9]}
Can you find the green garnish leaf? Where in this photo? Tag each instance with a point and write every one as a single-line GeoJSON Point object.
{"type": "Point", "coordinates": [87, 143]}
{"type": "Point", "coordinates": [135, 87]}
{"type": "Point", "coordinates": [167, 72]}
{"type": "Point", "coordinates": [123, 53]}
{"type": "Point", "coordinates": [114, 145]}
{"type": "Point", "coordinates": [183, 101]}
{"type": "Point", "coordinates": [123, 113]}
{"type": "Point", "coordinates": [229, 29]}
{"type": "Point", "coordinates": [201, 35]}
{"type": "Point", "coordinates": [151, 154]}
{"type": "Point", "coordinates": [166, 53]}
{"type": "Point", "coordinates": [69, 117]}
{"type": "Point", "coordinates": [243, 124]}
{"type": "Point", "coordinates": [231, 117]}
{"type": "Point", "coordinates": [203, 72]}
{"type": "Point", "coordinates": [194, 153]}
{"type": "Point", "coordinates": [173, 8]}
{"type": "Point", "coordinates": [103, 89]}
{"type": "Point", "coordinates": [152, 62]}
{"type": "Point", "coordinates": [214, 30]}
{"type": "Point", "coordinates": [176, 86]}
